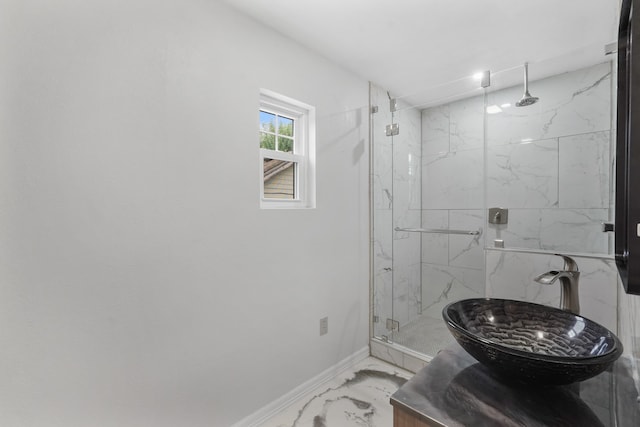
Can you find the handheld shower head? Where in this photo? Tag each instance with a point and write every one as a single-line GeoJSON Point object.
{"type": "Point", "coordinates": [527, 99]}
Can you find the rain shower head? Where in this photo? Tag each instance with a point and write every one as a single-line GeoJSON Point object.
{"type": "Point", "coordinates": [527, 99]}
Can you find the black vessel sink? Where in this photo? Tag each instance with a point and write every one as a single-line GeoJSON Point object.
{"type": "Point", "coordinates": [531, 343]}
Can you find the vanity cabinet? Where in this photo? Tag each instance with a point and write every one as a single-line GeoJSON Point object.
{"type": "Point", "coordinates": [404, 418]}
{"type": "Point", "coordinates": [454, 390]}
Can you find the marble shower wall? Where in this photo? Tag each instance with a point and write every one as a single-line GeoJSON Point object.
{"type": "Point", "coordinates": [550, 163]}
{"type": "Point", "coordinates": [452, 198]}
{"type": "Point", "coordinates": [510, 275]}
{"type": "Point", "coordinates": [407, 202]}
{"type": "Point", "coordinates": [397, 203]}
{"type": "Point", "coordinates": [602, 298]}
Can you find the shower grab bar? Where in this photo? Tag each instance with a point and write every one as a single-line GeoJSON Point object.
{"type": "Point", "coordinates": [440, 231]}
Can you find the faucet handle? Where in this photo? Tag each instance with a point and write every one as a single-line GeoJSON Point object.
{"type": "Point", "coordinates": [569, 263]}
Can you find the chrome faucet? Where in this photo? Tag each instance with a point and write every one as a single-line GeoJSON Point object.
{"type": "Point", "coordinates": [569, 300]}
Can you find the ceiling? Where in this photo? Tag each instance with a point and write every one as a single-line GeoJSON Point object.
{"type": "Point", "coordinates": [426, 50]}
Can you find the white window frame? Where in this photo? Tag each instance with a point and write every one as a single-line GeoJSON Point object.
{"type": "Point", "coordinates": [304, 150]}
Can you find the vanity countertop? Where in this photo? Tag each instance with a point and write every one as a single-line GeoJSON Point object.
{"type": "Point", "coordinates": [454, 390]}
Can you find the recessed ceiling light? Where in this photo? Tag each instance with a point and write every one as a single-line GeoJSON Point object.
{"type": "Point", "coordinates": [493, 109]}
{"type": "Point", "coordinates": [507, 105]}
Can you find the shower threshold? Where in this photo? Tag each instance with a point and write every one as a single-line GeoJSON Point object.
{"type": "Point", "coordinates": [418, 340]}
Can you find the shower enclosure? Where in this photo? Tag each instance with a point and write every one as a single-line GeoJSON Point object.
{"type": "Point", "coordinates": [473, 195]}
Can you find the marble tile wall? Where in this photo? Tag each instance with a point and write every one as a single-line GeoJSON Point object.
{"type": "Point", "coordinates": [550, 163]}
{"type": "Point", "coordinates": [560, 207]}
{"type": "Point", "coordinates": [510, 275]}
{"type": "Point", "coordinates": [407, 200]}
{"type": "Point", "coordinates": [602, 298]}
{"type": "Point", "coordinates": [452, 265]}
{"type": "Point", "coordinates": [571, 103]}
{"type": "Point", "coordinates": [452, 198]}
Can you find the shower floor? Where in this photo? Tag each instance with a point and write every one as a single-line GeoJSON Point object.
{"type": "Point", "coordinates": [424, 334]}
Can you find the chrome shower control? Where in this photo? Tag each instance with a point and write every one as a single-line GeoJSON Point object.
{"type": "Point", "coordinates": [498, 216]}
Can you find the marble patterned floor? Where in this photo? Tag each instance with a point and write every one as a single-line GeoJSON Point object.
{"type": "Point", "coordinates": [358, 397]}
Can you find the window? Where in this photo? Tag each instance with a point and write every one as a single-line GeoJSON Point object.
{"type": "Point", "coordinates": [287, 152]}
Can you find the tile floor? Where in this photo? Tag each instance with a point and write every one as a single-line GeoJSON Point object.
{"type": "Point", "coordinates": [424, 334]}
{"type": "Point", "coordinates": [357, 397]}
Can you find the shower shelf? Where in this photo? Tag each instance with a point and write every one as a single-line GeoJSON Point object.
{"type": "Point", "coordinates": [440, 231]}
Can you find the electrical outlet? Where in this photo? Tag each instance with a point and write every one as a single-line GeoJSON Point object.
{"type": "Point", "coordinates": [324, 325]}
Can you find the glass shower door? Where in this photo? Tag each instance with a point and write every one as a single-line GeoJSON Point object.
{"type": "Point", "coordinates": [407, 219]}
{"type": "Point", "coordinates": [438, 216]}
{"type": "Point", "coordinates": [396, 201]}
{"type": "Point", "coordinates": [428, 212]}
{"type": "Point", "coordinates": [382, 214]}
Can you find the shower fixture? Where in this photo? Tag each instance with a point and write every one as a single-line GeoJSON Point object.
{"type": "Point", "coordinates": [527, 99]}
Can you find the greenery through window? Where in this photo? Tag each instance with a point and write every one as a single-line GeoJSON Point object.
{"type": "Point", "coordinates": [276, 132]}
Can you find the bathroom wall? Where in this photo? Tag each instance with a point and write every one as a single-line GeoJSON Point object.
{"type": "Point", "coordinates": [139, 284]}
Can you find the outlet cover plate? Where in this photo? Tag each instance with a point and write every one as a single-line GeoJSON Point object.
{"type": "Point", "coordinates": [324, 326]}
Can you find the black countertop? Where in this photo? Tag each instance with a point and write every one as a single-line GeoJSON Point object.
{"type": "Point", "coordinates": [454, 390]}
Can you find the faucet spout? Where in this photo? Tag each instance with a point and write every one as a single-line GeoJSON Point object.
{"type": "Point", "coordinates": [569, 298]}
{"type": "Point", "coordinates": [549, 277]}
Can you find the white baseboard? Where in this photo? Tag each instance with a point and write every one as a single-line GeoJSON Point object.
{"type": "Point", "coordinates": [275, 407]}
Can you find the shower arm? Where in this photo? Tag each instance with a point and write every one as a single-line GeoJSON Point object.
{"type": "Point", "coordinates": [526, 78]}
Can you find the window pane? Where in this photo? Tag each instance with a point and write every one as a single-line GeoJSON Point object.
{"type": "Point", "coordinates": [285, 144]}
{"type": "Point", "coordinates": [279, 179]}
{"type": "Point", "coordinates": [268, 141]}
{"type": "Point", "coordinates": [267, 121]}
{"type": "Point", "coordinates": [285, 126]}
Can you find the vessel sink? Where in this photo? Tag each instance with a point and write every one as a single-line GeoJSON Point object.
{"type": "Point", "coordinates": [531, 343]}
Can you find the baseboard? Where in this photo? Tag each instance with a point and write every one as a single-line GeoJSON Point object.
{"type": "Point", "coordinates": [275, 407]}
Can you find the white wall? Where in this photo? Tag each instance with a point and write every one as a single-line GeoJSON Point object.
{"type": "Point", "coordinates": [139, 285]}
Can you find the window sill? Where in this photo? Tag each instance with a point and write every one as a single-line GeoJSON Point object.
{"type": "Point", "coordinates": [285, 204]}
